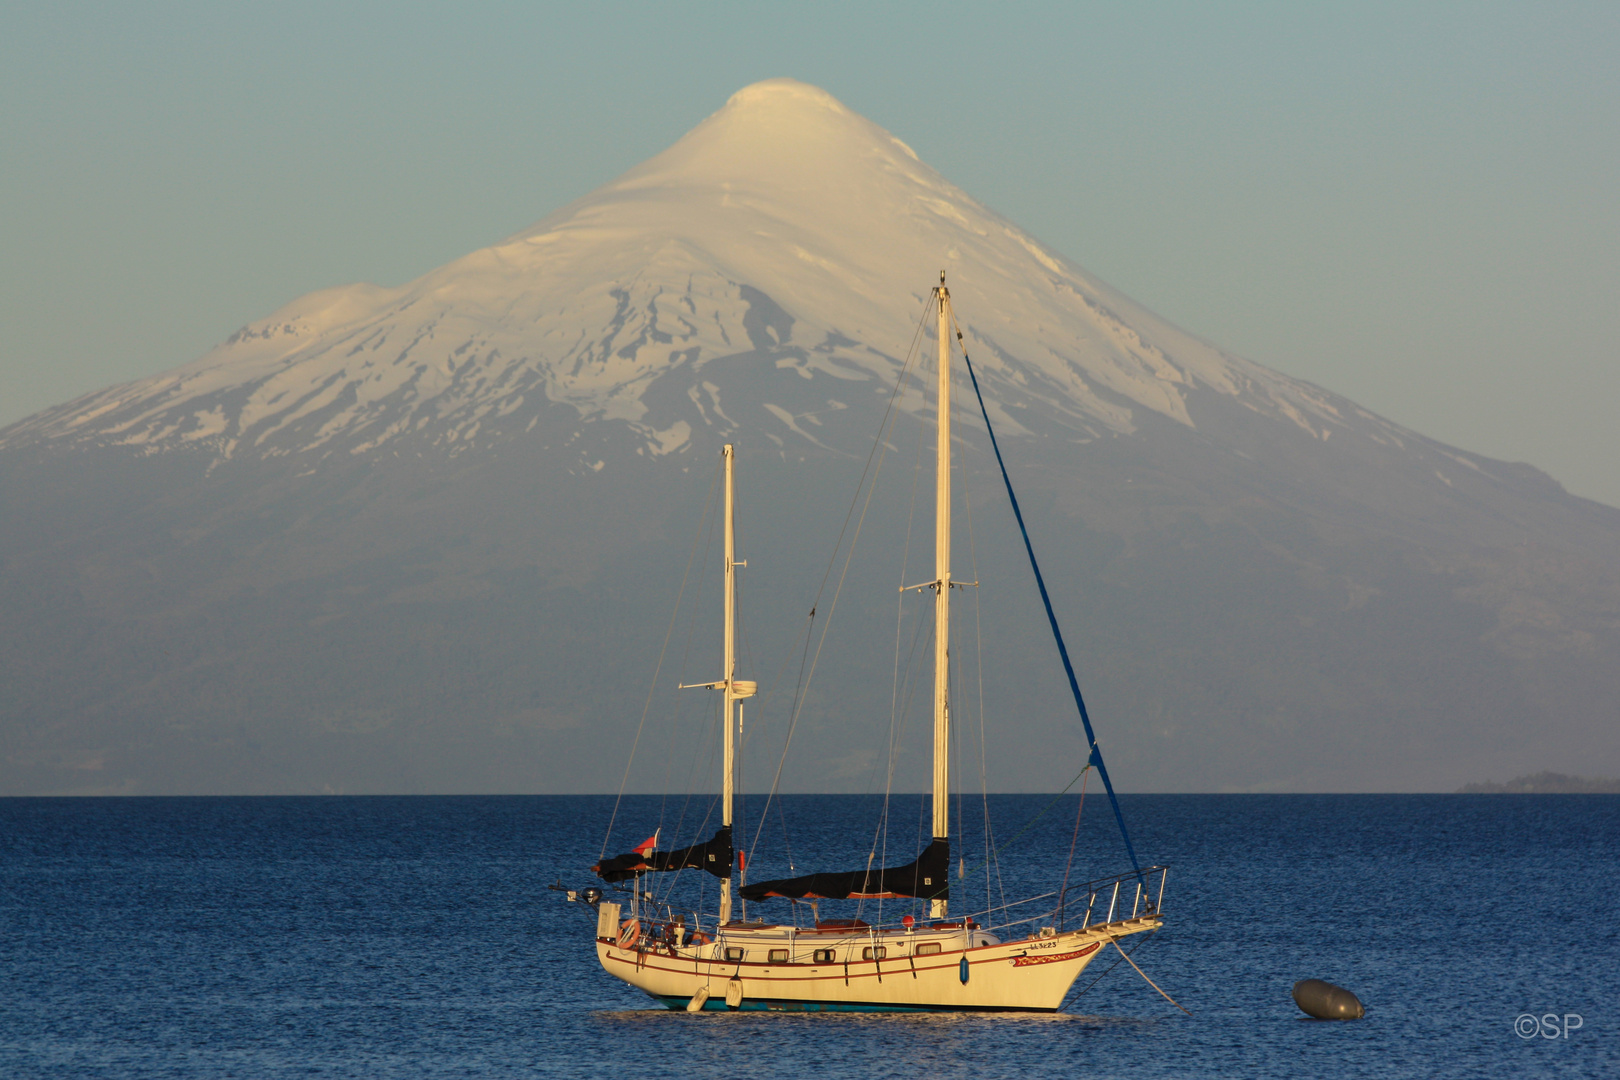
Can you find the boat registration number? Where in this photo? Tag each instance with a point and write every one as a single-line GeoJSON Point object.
{"type": "Point", "coordinates": [1052, 958]}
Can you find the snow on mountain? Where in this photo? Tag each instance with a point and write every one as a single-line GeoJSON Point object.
{"type": "Point", "coordinates": [424, 538]}
{"type": "Point", "coordinates": [782, 220]}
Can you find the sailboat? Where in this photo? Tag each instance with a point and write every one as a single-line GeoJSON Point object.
{"type": "Point", "coordinates": [940, 962]}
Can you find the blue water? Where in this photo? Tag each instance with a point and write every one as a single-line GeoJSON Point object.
{"type": "Point", "coordinates": [383, 937]}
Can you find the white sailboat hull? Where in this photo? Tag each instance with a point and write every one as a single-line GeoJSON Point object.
{"type": "Point", "coordinates": [1030, 975]}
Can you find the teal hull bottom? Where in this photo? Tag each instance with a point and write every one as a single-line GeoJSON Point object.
{"type": "Point", "coordinates": [719, 1005]}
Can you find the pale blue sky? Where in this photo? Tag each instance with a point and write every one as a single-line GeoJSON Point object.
{"type": "Point", "coordinates": [1417, 205]}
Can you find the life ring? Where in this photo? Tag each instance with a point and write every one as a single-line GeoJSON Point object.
{"type": "Point", "coordinates": [629, 933]}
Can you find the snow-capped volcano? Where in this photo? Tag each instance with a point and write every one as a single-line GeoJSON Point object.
{"type": "Point", "coordinates": [784, 220]}
{"type": "Point", "coordinates": [426, 538]}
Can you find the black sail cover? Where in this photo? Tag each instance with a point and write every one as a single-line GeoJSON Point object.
{"type": "Point", "coordinates": [929, 877]}
{"type": "Point", "coordinates": [713, 856]}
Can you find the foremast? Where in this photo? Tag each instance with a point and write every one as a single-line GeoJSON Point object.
{"type": "Point", "coordinates": [733, 690]}
{"type": "Point", "coordinates": [942, 587]}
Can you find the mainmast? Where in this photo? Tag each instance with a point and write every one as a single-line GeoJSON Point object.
{"type": "Point", "coordinates": [729, 669]}
{"type": "Point", "coordinates": [942, 586]}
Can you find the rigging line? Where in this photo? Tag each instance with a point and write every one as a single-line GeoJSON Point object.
{"type": "Point", "coordinates": [766, 689]}
{"type": "Point", "coordinates": [697, 601]}
{"type": "Point", "coordinates": [686, 655]}
{"type": "Point", "coordinates": [709, 741]}
{"type": "Point", "coordinates": [900, 595]}
{"type": "Point", "coordinates": [690, 636]}
{"type": "Point", "coordinates": [1063, 893]}
{"type": "Point", "coordinates": [899, 381]}
{"type": "Point", "coordinates": [896, 734]}
{"type": "Point", "coordinates": [877, 443]}
{"type": "Point", "coordinates": [987, 912]}
{"type": "Point", "coordinates": [897, 711]}
{"type": "Point", "coordinates": [647, 707]}
{"type": "Point", "coordinates": [671, 758]}
{"type": "Point", "coordinates": [961, 858]}
{"type": "Point", "coordinates": [1004, 926]}
{"type": "Point", "coordinates": [978, 638]}
{"type": "Point", "coordinates": [1151, 934]}
{"type": "Point", "coordinates": [772, 795]}
{"type": "Point", "coordinates": [798, 686]}
{"type": "Point", "coordinates": [955, 675]}
{"type": "Point", "coordinates": [880, 833]}
{"type": "Point", "coordinates": [740, 587]}
{"type": "Point", "coordinates": [1150, 982]}
{"type": "Point", "coordinates": [910, 686]}
{"type": "Point", "coordinates": [787, 845]}
{"type": "Point", "coordinates": [757, 729]}
{"type": "Point", "coordinates": [995, 853]}
{"type": "Point", "coordinates": [1051, 617]}
{"type": "Point", "coordinates": [703, 827]}
{"type": "Point", "coordinates": [781, 761]}
{"type": "Point", "coordinates": [1001, 884]}
{"type": "Point", "coordinates": [954, 682]}
{"type": "Point", "coordinates": [984, 785]}
{"type": "Point", "coordinates": [916, 849]}
{"type": "Point", "coordinates": [809, 624]}
{"type": "Point", "coordinates": [905, 562]}
{"type": "Point", "coordinates": [903, 692]}
{"type": "Point", "coordinates": [740, 756]}
{"type": "Point", "coordinates": [978, 648]}
{"type": "Point", "coordinates": [763, 695]}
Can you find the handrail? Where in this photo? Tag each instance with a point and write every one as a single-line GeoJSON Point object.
{"type": "Point", "coordinates": [1110, 879]}
{"type": "Point", "coordinates": [1091, 889]}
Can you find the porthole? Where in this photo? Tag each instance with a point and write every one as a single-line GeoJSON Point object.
{"type": "Point", "coordinates": [734, 956]}
{"type": "Point", "coordinates": [928, 948]}
{"type": "Point", "coordinates": [823, 956]}
{"type": "Point", "coordinates": [779, 956]}
{"type": "Point", "coordinates": [874, 952]}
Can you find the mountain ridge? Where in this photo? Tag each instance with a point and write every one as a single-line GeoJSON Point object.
{"type": "Point", "coordinates": [756, 154]}
{"type": "Point", "coordinates": [405, 538]}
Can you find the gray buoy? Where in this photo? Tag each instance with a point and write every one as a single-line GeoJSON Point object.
{"type": "Point", "coordinates": [1325, 1001]}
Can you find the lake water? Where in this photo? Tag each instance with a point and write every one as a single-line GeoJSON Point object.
{"type": "Point", "coordinates": [414, 936]}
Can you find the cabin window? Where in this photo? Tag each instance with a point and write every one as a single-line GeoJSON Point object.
{"type": "Point", "coordinates": [735, 955]}
{"type": "Point", "coordinates": [874, 952]}
{"type": "Point", "coordinates": [928, 948]}
{"type": "Point", "coordinates": [823, 956]}
{"type": "Point", "coordinates": [779, 956]}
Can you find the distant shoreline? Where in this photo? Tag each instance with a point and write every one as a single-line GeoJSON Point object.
{"type": "Point", "coordinates": [1546, 783]}
{"type": "Point", "coordinates": [1524, 785]}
